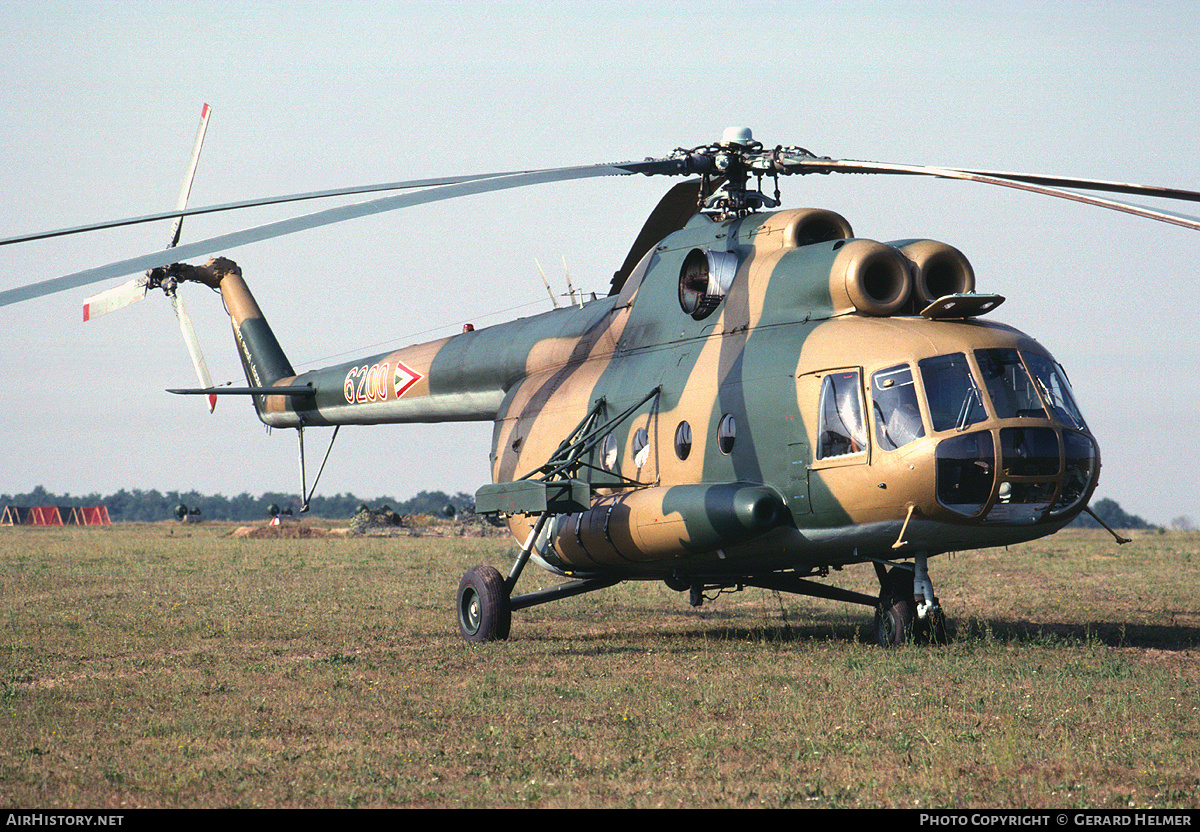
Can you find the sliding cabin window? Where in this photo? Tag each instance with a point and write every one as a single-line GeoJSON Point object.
{"type": "Point", "coordinates": [897, 414]}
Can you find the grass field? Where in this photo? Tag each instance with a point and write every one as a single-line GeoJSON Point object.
{"type": "Point", "coordinates": [166, 665]}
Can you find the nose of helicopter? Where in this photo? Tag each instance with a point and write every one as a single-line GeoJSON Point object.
{"type": "Point", "coordinates": [1017, 475]}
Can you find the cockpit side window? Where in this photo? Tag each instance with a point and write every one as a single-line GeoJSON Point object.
{"type": "Point", "coordinates": [894, 400]}
{"type": "Point", "coordinates": [842, 428]}
{"type": "Point", "coordinates": [1011, 388]}
{"type": "Point", "coordinates": [954, 401]}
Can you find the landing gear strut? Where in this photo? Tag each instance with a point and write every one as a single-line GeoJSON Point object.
{"type": "Point", "coordinates": [484, 603]}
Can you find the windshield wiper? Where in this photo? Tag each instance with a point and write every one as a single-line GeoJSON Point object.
{"type": "Point", "coordinates": [964, 411]}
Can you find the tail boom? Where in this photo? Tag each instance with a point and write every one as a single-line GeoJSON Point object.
{"type": "Point", "coordinates": [466, 377]}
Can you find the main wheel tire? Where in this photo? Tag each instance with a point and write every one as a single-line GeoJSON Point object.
{"type": "Point", "coordinates": [483, 610]}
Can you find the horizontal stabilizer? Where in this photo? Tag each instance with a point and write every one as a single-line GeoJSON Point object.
{"type": "Point", "coordinates": [298, 390]}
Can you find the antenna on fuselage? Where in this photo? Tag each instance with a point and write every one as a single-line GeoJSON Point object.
{"type": "Point", "coordinates": [546, 280]}
{"type": "Point", "coordinates": [571, 289]}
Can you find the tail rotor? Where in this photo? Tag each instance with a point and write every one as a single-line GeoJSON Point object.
{"type": "Point", "coordinates": [110, 300]}
{"type": "Point", "coordinates": [121, 296]}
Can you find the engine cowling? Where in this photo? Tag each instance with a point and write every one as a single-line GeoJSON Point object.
{"type": "Point", "coordinates": [870, 278]}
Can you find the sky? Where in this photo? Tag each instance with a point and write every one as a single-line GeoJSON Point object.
{"type": "Point", "coordinates": [102, 102]}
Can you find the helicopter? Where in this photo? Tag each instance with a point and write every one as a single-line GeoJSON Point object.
{"type": "Point", "coordinates": [762, 399]}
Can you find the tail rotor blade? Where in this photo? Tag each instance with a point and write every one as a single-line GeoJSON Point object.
{"type": "Point", "coordinates": [193, 345]}
{"type": "Point", "coordinates": [185, 320]}
{"type": "Point", "coordinates": [205, 112]}
{"type": "Point", "coordinates": [135, 290]}
{"type": "Point", "coordinates": [116, 298]}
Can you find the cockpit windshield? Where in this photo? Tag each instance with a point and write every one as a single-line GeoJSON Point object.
{"type": "Point", "coordinates": [1023, 469]}
{"type": "Point", "coordinates": [954, 401]}
{"type": "Point", "coordinates": [1052, 383]}
{"type": "Point", "coordinates": [1012, 391]}
{"type": "Point", "coordinates": [1019, 384]}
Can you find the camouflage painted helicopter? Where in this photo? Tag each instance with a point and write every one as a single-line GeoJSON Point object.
{"type": "Point", "coordinates": [761, 398]}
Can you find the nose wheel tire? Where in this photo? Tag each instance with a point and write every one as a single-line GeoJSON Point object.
{"type": "Point", "coordinates": [894, 621]}
{"type": "Point", "coordinates": [484, 613]}
{"type": "Point", "coordinates": [932, 630]}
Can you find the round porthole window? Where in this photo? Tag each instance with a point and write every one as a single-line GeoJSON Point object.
{"type": "Point", "coordinates": [641, 447]}
{"type": "Point", "coordinates": [726, 433]}
{"type": "Point", "coordinates": [608, 452]}
{"type": "Point", "coordinates": [683, 440]}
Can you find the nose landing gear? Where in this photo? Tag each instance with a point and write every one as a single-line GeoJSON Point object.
{"type": "Point", "coordinates": [908, 610]}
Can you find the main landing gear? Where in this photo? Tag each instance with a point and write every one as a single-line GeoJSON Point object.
{"type": "Point", "coordinates": [908, 611]}
{"type": "Point", "coordinates": [486, 603]}
{"type": "Point", "coordinates": [905, 611]}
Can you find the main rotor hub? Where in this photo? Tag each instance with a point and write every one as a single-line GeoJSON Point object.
{"type": "Point", "coordinates": [725, 169]}
{"type": "Point", "coordinates": [740, 136]}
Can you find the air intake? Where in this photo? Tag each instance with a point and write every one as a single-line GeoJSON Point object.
{"type": "Point", "coordinates": [869, 278]}
{"type": "Point", "coordinates": [940, 270]}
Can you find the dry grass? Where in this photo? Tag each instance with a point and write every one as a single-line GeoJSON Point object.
{"type": "Point", "coordinates": [166, 665]}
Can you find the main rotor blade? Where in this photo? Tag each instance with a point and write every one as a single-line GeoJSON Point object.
{"type": "Point", "coordinates": [329, 216]}
{"type": "Point", "coordinates": [1091, 184]}
{"type": "Point", "coordinates": [255, 203]}
{"type": "Point", "coordinates": [1025, 182]}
